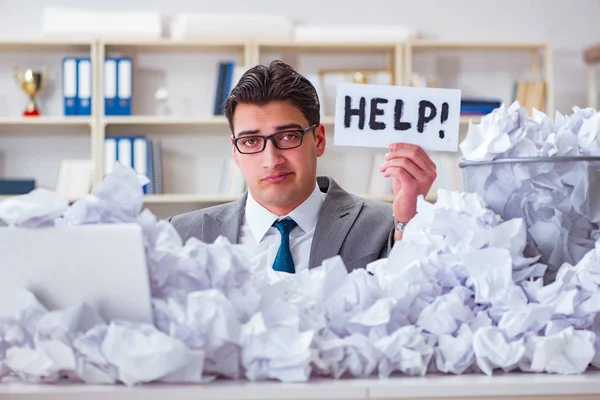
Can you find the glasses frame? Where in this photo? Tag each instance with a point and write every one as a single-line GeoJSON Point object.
{"type": "Point", "coordinates": [272, 139]}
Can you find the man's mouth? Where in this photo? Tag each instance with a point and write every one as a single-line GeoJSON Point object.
{"type": "Point", "coordinates": [276, 178]}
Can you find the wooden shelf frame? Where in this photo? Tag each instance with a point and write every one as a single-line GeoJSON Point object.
{"type": "Point", "coordinates": [544, 70]}
{"type": "Point", "coordinates": [399, 59]}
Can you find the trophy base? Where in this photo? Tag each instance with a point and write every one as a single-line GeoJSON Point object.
{"type": "Point", "coordinates": [32, 113]}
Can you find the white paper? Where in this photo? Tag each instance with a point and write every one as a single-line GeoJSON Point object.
{"type": "Point", "coordinates": [457, 295]}
{"type": "Point", "coordinates": [493, 350]}
{"type": "Point", "coordinates": [143, 354]}
{"type": "Point", "coordinates": [368, 115]}
{"type": "Point", "coordinates": [557, 200]}
{"type": "Point", "coordinates": [37, 209]}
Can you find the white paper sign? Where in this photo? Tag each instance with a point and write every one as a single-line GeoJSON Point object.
{"type": "Point", "coordinates": [379, 115]}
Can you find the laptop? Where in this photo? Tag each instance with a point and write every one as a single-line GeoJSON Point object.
{"type": "Point", "coordinates": [102, 265]}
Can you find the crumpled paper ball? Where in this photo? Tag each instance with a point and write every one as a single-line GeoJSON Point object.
{"type": "Point", "coordinates": [456, 295]}
{"type": "Point", "coordinates": [556, 196]}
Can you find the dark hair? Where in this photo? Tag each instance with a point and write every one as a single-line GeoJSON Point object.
{"type": "Point", "coordinates": [276, 82]}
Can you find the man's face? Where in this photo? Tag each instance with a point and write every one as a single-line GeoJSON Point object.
{"type": "Point", "coordinates": [279, 180]}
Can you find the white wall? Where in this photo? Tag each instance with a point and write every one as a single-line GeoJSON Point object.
{"type": "Point", "coordinates": [568, 26]}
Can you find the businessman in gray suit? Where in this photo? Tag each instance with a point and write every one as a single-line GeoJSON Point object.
{"type": "Point", "coordinates": [291, 216]}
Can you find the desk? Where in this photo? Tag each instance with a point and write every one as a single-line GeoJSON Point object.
{"type": "Point", "coordinates": [472, 387]}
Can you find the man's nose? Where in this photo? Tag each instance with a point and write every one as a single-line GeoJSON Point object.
{"type": "Point", "coordinates": [272, 156]}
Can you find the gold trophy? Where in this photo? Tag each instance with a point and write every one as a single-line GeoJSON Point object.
{"type": "Point", "coordinates": [32, 82]}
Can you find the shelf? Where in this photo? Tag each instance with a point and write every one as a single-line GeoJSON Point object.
{"type": "Point", "coordinates": [10, 196]}
{"type": "Point", "coordinates": [441, 45]}
{"type": "Point", "coordinates": [152, 120]}
{"type": "Point", "coordinates": [327, 46]}
{"type": "Point", "coordinates": [464, 120]}
{"type": "Point", "coordinates": [160, 45]}
{"type": "Point", "coordinates": [328, 120]}
{"type": "Point", "coordinates": [166, 120]}
{"type": "Point", "coordinates": [158, 120]}
{"type": "Point", "coordinates": [212, 121]}
{"type": "Point", "coordinates": [46, 120]}
{"type": "Point", "coordinates": [187, 198]}
{"type": "Point", "coordinates": [46, 45]}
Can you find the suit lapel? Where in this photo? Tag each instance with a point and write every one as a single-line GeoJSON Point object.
{"type": "Point", "coordinates": [337, 215]}
{"type": "Point", "coordinates": [227, 223]}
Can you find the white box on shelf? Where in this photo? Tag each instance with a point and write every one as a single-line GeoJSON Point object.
{"type": "Point", "coordinates": [352, 34]}
{"type": "Point", "coordinates": [62, 22]}
{"type": "Point", "coordinates": [74, 179]}
{"type": "Point", "coordinates": [231, 26]}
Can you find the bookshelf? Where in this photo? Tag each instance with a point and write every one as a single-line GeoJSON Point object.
{"type": "Point", "coordinates": [46, 121]}
{"type": "Point", "coordinates": [540, 58]}
{"type": "Point", "coordinates": [35, 147]}
{"type": "Point", "coordinates": [482, 70]}
{"type": "Point", "coordinates": [193, 135]}
{"type": "Point", "coordinates": [163, 120]}
{"type": "Point", "coordinates": [591, 56]}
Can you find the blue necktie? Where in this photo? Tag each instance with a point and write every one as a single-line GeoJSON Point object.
{"type": "Point", "coordinates": [284, 260]}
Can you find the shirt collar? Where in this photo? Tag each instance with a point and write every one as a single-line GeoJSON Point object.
{"type": "Point", "coordinates": [306, 215]}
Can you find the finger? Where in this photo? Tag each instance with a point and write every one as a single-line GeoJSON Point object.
{"type": "Point", "coordinates": [417, 155]}
{"type": "Point", "coordinates": [410, 167]}
{"type": "Point", "coordinates": [407, 182]}
{"type": "Point", "coordinates": [401, 174]}
{"type": "Point", "coordinates": [414, 148]}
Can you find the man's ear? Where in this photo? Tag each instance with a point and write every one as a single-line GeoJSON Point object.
{"type": "Point", "coordinates": [234, 152]}
{"type": "Point", "coordinates": [321, 139]}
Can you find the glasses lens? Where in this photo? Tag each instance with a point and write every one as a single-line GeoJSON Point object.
{"type": "Point", "coordinates": [289, 139]}
{"type": "Point", "coordinates": [250, 144]}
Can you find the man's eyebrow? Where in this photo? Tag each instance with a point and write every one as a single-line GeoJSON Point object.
{"type": "Point", "coordinates": [288, 126]}
{"type": "Point", "coordinates": [242, 133]}
{"type": "Point", "coordinates": [277, 129]}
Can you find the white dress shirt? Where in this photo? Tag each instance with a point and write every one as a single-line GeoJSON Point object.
{"type": "Point", "coordinates": [257, 230]}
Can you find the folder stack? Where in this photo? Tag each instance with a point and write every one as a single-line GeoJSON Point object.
{"type": "Point", "coordinates": [138, 152]}
{"type": "Point", "coordinates": [77, 86]}
{"type": "Point", "coordinates": [118, 85]}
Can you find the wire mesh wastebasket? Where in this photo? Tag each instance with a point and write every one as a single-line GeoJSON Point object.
{"type": "Point", "coordinates": [557, 197]}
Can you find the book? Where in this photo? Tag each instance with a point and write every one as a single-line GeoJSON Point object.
{"type": "Point", "coordinates": [140, 153]}
{"type": "Point", "coordinates": [531, 94]}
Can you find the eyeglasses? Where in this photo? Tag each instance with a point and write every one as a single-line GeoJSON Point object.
{"type": "Point", "coordinates": [285, 140]}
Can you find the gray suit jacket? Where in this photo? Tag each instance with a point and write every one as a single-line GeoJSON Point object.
{"type": "Point", "coordinates": [359, 230]}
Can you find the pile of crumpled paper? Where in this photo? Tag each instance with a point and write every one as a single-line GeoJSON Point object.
{"type": "Point", "coordinates": [456, 296]}
{"type": "Point", "coordinates": [555, 191]}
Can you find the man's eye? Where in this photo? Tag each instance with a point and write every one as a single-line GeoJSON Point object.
{"type": "Point", "coordinates": [249, 142]}
{"type": "Point", "coordinates": [291, 136]}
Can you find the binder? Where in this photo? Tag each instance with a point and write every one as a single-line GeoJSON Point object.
{"type": "Point", "coordinates": [140, 157]}
{"type": "Point", "coordinates": [16, 186]}
{"type": "Point", "coordinates": [69, 86]}
{"type": "Point", "coordinates": [139, 153]}
{"type": "Point", "coordinates": [150, 188]}
{"type": "Point", "coordinates": [124, 85]}
{"type": "Point", "coordinates": [158, 167]}
{"type": "Point", "coordinates": [218, 105]}
{"type": "Point", "coordinates": [110, 154]}
{"type": "Point", "coordinates": [110, 86]}
{"type": "Point", "coordinates": [84, 86]}
{"type": "Point", "coordinates": [125, 151]}
{"type": "Point", "coordinates": [228, 80]}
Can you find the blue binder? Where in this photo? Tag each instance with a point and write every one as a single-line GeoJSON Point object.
{"type": "Point", "coordinates": [221, 77]}
{"type": "Point", "coordinates": [110, 86]}
{"type": "Point", "coordinates": [133, 152]}
{"type": "Point", "coordinates": [84, 86]}
{"type": "Point", "coordinates": [124, 85]}
{"type": "Point", "coordinates": [69, 85]}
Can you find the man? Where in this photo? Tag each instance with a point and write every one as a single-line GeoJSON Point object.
{"type": "Point", "coordinates": [289, 214]}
